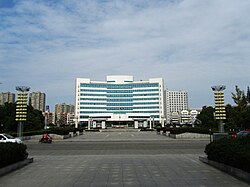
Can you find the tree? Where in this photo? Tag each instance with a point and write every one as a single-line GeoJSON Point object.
{"type": "Point", "coordinates": [239, 98]}
{"type": "Point", "coordinates": [34, 121]}
{"type": "Point", "coordinates": [206, 117]}
{"type": "Point", "coordinates": [242, 116]}
{"type": "Point", "coordinates": [7, 117]}
{"type": "Point", "coordinates": [232, 120]}
{"type": "Point", "coordinates": [248, 95]}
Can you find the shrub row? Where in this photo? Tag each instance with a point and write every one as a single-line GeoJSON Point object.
{"type": "Point", "coordinates": [11, 153]}
{"type": "Point", "coordinates": [146, 129]}
{"type": "Point", "coordinates": [233, 152]}
{"type": "Point", "coordinates": [57, 130]}
{"type": "Point", "coordinates": [64, 131]}
{"type": "Point", "coordinates": [183, 130]}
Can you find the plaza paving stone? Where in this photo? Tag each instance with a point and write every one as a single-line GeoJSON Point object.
{"type": "Point", "coordinates": [115, 161]}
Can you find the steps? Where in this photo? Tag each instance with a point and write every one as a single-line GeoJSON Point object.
{"type": "Point", "coordinates": [126, 129]}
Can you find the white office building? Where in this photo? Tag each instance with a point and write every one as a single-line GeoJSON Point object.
{"type": "Point", "coordinates": [176, 101]}
{"type": "Point", "coordinates": [119, 101]}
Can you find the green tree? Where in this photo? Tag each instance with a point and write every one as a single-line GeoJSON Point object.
{"type": "Point", "coordinates": [7, 117]}
{"type": "Point", "coordinates": [206, 117]}
{"type": "Point", "coordinates": [239, 98]}
{"type": "Point", "coordinates": [248, 95]}
{"type": "Point", "coordinates": [34, 121]}
{"type": "Point", "coordinates": [232, 120]}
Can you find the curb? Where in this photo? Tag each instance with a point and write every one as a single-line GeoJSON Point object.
{"type": "Point", "coordinates": [238, 173]}
{"type": "Point", "coordinates": [7, 169]}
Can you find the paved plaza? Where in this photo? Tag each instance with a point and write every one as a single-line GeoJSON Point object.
{"type": "Point", "coordinates": [118, 159]}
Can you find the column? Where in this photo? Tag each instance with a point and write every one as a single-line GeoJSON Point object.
{"type": "Point", "coordinates": [89, 123]}
{"type": "Point", "coordinates": [136, 124]}
{"type": "Point", "coordinates": [94, 124]}
{"type": "Point", "coordinates": [103, 124]}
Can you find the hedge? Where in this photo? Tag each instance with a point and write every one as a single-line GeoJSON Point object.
{"type": "Point", "coordinates": [191, 130]}
{"type": "Point", "coordinates": [57, 130]}
{"type": "Point", "coordinates": [64, 131]}
{"type": "Point", "coordinates": [11, 153]}
{"type": "Point", "coordinates": [233, 152]}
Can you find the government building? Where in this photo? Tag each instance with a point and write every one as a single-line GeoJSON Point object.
{"type": "Point", "coordinates": [120, 101]}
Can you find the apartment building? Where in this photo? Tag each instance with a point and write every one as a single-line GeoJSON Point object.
{"type": "Point", "coordinates": [37, 100]}
{"type": "Point", "coordinates": [7, 97]}
{"type": "Point", "coordinates": [176, 101]}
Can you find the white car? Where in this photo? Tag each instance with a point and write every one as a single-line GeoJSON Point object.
{"type": "Point", "coordinates": [8, 138]}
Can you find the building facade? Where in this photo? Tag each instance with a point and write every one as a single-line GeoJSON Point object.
{"type": "Point", "coordinates": [64, 108]}
{"type": "Point", "coordinates": [176, 101]}
{"type": "Point", "coordinates": [37, 100]}
{"type": "Point", "coordinates": [120, 100]}
{"type": "Point", "coordinates": [7, 97]}
{"type": "Point", "coordinates": [63, 114]}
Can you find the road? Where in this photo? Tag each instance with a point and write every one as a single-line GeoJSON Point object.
{"type": "Point", "coordinates": [118, 159]}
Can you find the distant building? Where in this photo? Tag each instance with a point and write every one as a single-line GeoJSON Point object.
{"type": "Point", "coordinates": [120, 101]}
{"type": "Point", "coordinates": [64, 108]}
{"type": "Point", "coordinates": [71, 119]}
{"type": "Point", "coordinates": [49, 118]}
{"type": "Point", "coordinates": [37, 100]}
{"type": "Point", "coordinates": [61, 118]}
{"type": "Point", "coordinates": [63, 114]}
{"type": "Point", "coordinates": [184, 117]}
{"type": "Point", "coordinates": [7, 97]}
{"type": "Point", "coordinates": [176, 101]}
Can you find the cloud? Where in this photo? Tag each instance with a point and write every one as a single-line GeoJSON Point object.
{"type": "Point", "coordinates": [192, 44]}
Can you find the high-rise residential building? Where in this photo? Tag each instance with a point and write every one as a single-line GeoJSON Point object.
{"type": "Point", "coordinates": [71, 119]}
{"type": "Point", "coordinates": [64, 108]}
{"type": "Point", "coordinates": [7, 97]}
{"type": "Point", "coordinates": [37, 100]}
{"type": "Point", "coordinates": [120, 100]}
{"type": "Point", "coordinates": [49, 117]}
{"type": "Point", "coordinates": [176, 101]}
{"type": "Point", "coordinates": [62, 112]}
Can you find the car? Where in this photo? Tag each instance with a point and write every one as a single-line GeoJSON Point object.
{"type": "Point", "coordinates": [4, 138]}
{"type": "Point", "coordinates": [242, 133]}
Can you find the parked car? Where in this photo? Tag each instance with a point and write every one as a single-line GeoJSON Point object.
{"type": "Point", "coordinates": [4, 138]}
{"type": "Point", "coordinates": [240, 134]}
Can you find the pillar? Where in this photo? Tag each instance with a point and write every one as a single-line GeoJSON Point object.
{"type": "Point", "coordinates": [94, 124]}
{"type": "Point", "coordinates": [136, 124]}
{"type": "Point", "coordinates": [103, 124]}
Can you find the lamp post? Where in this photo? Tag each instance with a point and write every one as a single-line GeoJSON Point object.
{"type": "Point", "coordinates": [21, 108]}
{"type": "Point", "coordinates": [220, 111]}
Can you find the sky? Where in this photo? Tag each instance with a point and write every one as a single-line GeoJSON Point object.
{"type": "Point", "coordinates": [191, 44]}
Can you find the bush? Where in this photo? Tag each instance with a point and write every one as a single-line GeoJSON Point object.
{"type": "Point", "coordinates": [233, 152]}
{"type": "Point", "coordinates": [30, 133]}
{"type": "Point", "coordinates": [146, 129]}
{"type": "Point", "coordinates": [64, 131]}
{"type": "Point", "coordinates": [11, 153]}
{"type": "Point", "coordinates": [191, 130]}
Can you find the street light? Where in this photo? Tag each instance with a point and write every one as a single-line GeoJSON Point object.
{"type": "Point", "coordinates": [21, 108]}
{"type": "Point", "coordinates": [220, 111]}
